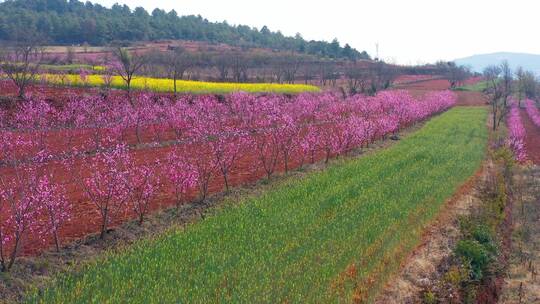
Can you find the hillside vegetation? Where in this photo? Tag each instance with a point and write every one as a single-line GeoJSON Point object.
{"type": "Point", "coordinates": [75, 22]}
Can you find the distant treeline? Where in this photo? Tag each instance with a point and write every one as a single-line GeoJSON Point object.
{"type": "Point", "coordinates": [75, 22]}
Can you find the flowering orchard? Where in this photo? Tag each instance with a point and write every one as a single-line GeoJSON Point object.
{"type": "Point", "coordinates": [533, 112]}
{"type": "Point", "coordinates": [516, 133]}
{"type": "Point", "coordinates": [88, 164]}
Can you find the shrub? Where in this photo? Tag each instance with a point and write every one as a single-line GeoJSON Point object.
{"type": "Point", "coordinates": [429, 297]}
{"type": "Point", "coordinates": [473, 253]}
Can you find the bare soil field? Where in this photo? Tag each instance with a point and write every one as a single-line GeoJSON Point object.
{"type": "Point", "coordinates": [471, 99]}
{"type": "Point", "coordinates": [420, 88]}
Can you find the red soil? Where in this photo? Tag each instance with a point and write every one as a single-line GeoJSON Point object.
{"type": "Point", "coordinates": [532, 138]}
{"type": "Point", "coordinates": [471, 99]}
{"type": "Point", "coordinates": [85, 216]}
{"type": "Point", "coordinates": [420, 88]}
{"type": "Point", "coordinates": [405, 79]}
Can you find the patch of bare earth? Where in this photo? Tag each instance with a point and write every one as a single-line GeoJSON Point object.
{"type": "Point", "coordinates": [466, 98]}
{"type": "Point", "coordinates": [522, 284]}
{"type": "Point", "coordinates": [439, 239]}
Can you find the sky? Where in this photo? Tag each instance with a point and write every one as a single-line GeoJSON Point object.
{"type": "Point", "coordinates": [407, 31]}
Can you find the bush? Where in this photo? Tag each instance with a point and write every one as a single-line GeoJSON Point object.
{"type": "Point", "coordinates": [429, 297]}
{"type": "Point", "coordinates": [483, 235]}
{"type": "Point", "coordinates": [475, 254]}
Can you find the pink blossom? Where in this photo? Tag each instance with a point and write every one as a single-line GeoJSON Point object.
{"type": "Point", "coordinates": [516, 134]}
{"type": "Point", "coordinates": [533, 112]}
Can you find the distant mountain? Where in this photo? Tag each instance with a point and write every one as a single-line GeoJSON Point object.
{"type": "Point", "coordinates": [529, 62]}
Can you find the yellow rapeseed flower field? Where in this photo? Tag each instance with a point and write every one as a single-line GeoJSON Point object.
{"type": "Point", "coordinates": [183, 86]}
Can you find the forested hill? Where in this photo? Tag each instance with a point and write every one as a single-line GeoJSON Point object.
{"type": "Point", "coordinates": [75, 22]}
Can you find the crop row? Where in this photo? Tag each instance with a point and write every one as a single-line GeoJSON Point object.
{"type": "Point", "coordinates": [93, 122]}
{"type": "Point", "coordinates": [533, 112]}
{"type": "Point", "coordinates": [516, 133]}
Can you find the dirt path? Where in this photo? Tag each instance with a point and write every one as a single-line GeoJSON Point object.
{"type": "Point", "coordinates": [522, 285]}
{"type": "Point", "coordinates": [438, 241]}
{"type": "Point", "coordinates": [532, 139]}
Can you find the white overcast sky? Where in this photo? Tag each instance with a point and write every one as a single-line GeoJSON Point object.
{"type": "Point", "coordinates": [407, 31]}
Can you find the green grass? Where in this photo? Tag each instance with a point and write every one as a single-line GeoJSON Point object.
{"type": "Point", "coordinates": [310, 240]}
{"type": "Point", "coordinates": [477, 87]}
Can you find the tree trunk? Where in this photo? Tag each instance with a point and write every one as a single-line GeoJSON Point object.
{"type": "Point", "coordinates": [141, 218]}
{"type": "Point", "coordinates": [56, 241]}
{"type": "Point", "coordinates": [225, 179]}
{"type": "Point", "coordinates": [494, 116]}
{"type": "Point", "coordinates": [104, 219]}
{"type": "Point", "coordinates": [14, 252]}
{"type": "Point", "coordinates": [2, 258]}
{"type": "Point", "coordinates": [286, 161]}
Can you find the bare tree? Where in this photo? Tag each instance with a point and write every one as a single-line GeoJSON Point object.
{"type": "Point", "coordinates": [129, 64]}
{"type": "Point", "coordinates": [496, 90]}
{"type": "Point", "coordinates": [381, 76]}
{"type": "Point", "coordinates": [529, 85]}
{"type": "Point", "coordinates": [291, 67]}
{"type": "Point", "coordinates": [308, 72]}
{"type": "Point", "coordinates": [520, 73]}
{"type": "Point", "coordinates": [358, 79]}
{"type": "Point", "coordinates": [278, 67]}
{"type": "Point", "coordinates": [70, 54]}
{"type": "Point", "coordinates": [177, 63]}
{"type": "Point", "coordinates": [506, 75]}
{"type": "Point", "coordinates": [21, 64]}
{"type": "Point", "coordinates": [328, 73]}
{"type": "Point", "coordinates": [456, 74]}
{"type": "Point", "coordinates": [223, 65]}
